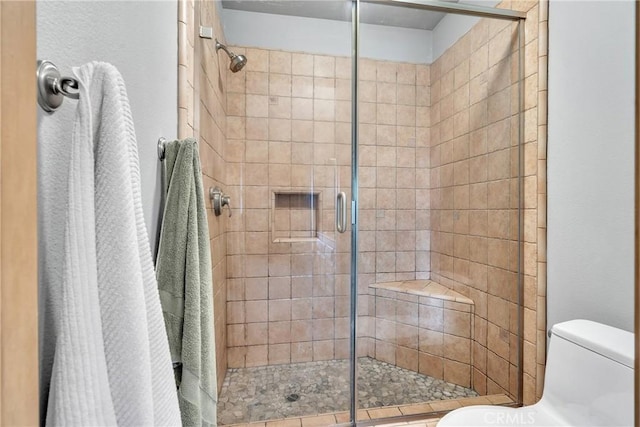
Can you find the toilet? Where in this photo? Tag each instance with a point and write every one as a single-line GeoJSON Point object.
{"type": "Point", "coordinates": [588, 382]}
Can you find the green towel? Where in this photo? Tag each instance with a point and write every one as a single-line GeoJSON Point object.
{"type": "Point", "coordinates": [183, 270]}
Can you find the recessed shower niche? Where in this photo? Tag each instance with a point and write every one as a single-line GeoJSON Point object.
{"type": "Point", "coordinates": [295, 216]}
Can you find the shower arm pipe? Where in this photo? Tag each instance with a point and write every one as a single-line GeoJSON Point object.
{"type": "Point", "coordinates": [223, 47]}
{"type": "Point", "coordinates": [457, 8]}
{"type": "Point", "coordinates": [237, 61]}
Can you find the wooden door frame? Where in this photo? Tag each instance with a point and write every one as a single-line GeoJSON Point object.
{"type": "Point", "coordinates": [18, 216]}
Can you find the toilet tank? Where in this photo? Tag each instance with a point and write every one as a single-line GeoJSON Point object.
{"type": "Point", "coordinates": [589, 374]}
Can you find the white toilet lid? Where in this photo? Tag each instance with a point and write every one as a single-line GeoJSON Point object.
{"type": "Point", "coordinates": [607, 341]}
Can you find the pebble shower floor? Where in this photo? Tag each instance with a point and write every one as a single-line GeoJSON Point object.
{"type": "Point", "coordinates": [299, 389]}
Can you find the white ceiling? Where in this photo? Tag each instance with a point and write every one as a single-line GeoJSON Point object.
{"type": "Point", "coordinates": [340, 10]}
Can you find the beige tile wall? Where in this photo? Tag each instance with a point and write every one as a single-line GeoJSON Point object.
{"type": "Point", "coordinates": [424, 334]}
{"type": "Point", "coordinates": [289, 129]}
{"type": "Point", "coordinates": [474, 169]}
{"type": "Point", "coordinates": [393, 149]}
{"type": "Point", "coordinates": [202, 114]}
{"type": "Point", "coordinates": [474, 176]}
{"type": "Point", "coordinates": [394, 209]}
{"type": "Point", "coordinates": [535, 190]}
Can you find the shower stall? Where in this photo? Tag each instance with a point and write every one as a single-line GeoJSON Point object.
{"type": "Point", "coordinates": [373, 155]}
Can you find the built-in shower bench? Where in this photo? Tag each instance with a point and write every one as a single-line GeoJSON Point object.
{"type": "Point", "coordinates": [423, 326]}
{"type": "Point", "coordinates": [425, 288]}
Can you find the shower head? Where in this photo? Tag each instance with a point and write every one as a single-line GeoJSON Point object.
{"type": "Point", "coordinates": [237, 61]}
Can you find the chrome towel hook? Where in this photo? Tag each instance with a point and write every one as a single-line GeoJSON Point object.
{"type": "Point", "coordinates": [52, 87]}
{"type": "Point", "coordinates": [162, 142]}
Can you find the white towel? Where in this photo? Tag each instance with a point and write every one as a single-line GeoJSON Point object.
{"type": "Point", "coordinates": [111, 362]}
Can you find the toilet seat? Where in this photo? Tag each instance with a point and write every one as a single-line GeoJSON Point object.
{"type": "Point", "coordinates": [487, 415]}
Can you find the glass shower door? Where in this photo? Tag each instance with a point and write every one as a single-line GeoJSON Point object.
{"type": "Point", "coordinates": [439, 220]}
{"type": "Point", "coordinates": [431, 255]}
{"type": "Point", "coordinates": [289, 250]}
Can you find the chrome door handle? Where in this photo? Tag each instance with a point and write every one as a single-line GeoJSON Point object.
{"type": "Point", "coordinates": [341, 212]}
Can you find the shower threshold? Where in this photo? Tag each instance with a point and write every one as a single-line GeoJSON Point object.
{"type": "Point", "coordinates": [301, 389]}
